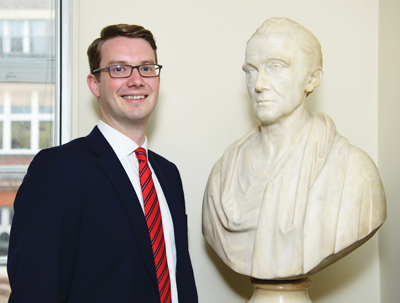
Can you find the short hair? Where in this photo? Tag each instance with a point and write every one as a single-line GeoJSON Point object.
{"type": "Point", "coordinates": [307, 40]}
{"type": "Point", "coordinates": [113, 31]}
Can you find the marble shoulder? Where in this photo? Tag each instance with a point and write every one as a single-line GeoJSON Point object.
{"type": "Point", "coordinates": [362, 163]}
{"type": "Point", "coordinates": [215, 172]}
{"type": "Point", "coordinates": [362, 170]}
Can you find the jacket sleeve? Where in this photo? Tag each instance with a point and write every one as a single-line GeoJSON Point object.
{"type": "Point", "coordinates": [45, 230]}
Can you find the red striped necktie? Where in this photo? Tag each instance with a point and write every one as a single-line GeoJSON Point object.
{"type": "Point", "coordinates": [154, 223]}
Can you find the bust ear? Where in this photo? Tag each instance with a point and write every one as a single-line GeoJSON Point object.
{"type": "Point", "coordinates": [315, 81]}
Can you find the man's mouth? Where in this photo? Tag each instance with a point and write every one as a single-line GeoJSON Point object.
{"type": "Point", "coordinates": [134, 97]}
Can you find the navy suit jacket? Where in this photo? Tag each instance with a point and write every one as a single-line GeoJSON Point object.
{"type": "Point", "coordinates": [79, 233]}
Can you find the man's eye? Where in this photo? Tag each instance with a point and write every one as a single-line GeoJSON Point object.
{"type": "Point", "coordinates": [119, 69]}
{"type": "Point", "coordinates": [147, 68]}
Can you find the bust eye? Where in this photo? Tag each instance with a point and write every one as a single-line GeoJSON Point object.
{"type": "Point", "coordinates": [250, 69]}
{"type": "Point", "coordinates": [275, 67]}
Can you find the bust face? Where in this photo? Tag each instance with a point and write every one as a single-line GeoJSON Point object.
{"type": "Point", "coordinates": [278, 76]}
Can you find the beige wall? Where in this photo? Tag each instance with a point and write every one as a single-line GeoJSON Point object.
{"type": "Point", "coordinates": [203, 105]}
{"type": "Point", "coordinates": [389, 145]}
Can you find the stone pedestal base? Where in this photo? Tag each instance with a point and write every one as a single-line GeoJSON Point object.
{"type": "Point", "coordinates": [275, 291]}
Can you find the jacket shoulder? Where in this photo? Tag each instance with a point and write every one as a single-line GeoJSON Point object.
{"type": "Point", "coordinates": [161, 162]}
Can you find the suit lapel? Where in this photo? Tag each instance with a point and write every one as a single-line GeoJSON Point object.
{"type": "Point", "coordinates": [170, 188]}
{"type": "Point", "coordinates": [115, 172]}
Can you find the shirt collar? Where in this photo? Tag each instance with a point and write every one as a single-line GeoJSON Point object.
{"type": "Point", "coordinates": [121, 144]}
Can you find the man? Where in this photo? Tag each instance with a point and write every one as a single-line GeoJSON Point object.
{"type": "Point", "coordinates": [87, 224]}
{"type": "Point", "coordinates": [292, 196]}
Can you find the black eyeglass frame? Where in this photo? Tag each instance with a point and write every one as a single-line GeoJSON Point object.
{"type": "Point", "coordinates": [132, 68]}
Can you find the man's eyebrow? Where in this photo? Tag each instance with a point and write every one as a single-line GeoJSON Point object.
{"type": "Point", "coordinates": [148, 62]}
{"type": "Point", "coordinates": [116, 62]}
{"type": "Point", "coordinates": [112, 62]}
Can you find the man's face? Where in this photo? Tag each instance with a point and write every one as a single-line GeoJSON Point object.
{"type": "Point", "coordinates": [125, 102]}
{"type": "Point", "coordinates": [277, 76]}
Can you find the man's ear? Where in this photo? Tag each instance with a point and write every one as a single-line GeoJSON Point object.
{"type": "Point", "coordinates": [93, 85]}
{"type": "Point", "coordinates": [315, 81]}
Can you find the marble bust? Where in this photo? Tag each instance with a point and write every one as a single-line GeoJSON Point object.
{"type": "Point", "coordinates": [292, 196]}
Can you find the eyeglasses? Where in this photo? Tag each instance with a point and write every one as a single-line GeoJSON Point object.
{"type": "Point", "coordinates": [125, 71]}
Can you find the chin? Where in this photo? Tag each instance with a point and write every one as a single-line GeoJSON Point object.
{"type": "Point", "coordinates": [266, 118]}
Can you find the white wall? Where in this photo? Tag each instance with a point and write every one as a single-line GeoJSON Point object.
{"type": "Point", "coordinates": [389, 145]}
{"type": "Point", "coordinates": [203, 105]}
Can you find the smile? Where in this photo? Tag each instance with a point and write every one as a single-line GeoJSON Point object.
{"type": "Point", "coordinates": [134, 97]}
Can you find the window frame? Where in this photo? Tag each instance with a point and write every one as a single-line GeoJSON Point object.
{"type": "Point", "coordinates": [63, 83]}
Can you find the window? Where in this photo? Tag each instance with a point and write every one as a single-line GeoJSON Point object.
{"type": "Point", "coordinates": [25, 110]}
{"type": "Point", "coordinates": [29, 101]}
{"type": "Point", "coordinates": [6, 214]}
{"type": "Point", "coordinates": [27, 38]}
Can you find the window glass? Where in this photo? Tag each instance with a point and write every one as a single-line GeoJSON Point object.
{"type": "Point", "coordinates": [39, 42]}
{"type": "Point", "coordinates": [30, 102]}
{"type": "Point", "coordinates": [45, 134]}
{"type": "Point", "coordinates": [21, 102]}
{"type": "Point", "coordinates": [1, 134]}
{"type": "Point", "coordinates": [27, 101]}
{"type": "Point", "coordinates": [1, 102]}
{"type": "Point", "coordinates": [16, 37]}
{"type": "Point", "coordinates": [1, 38]}
{"type": "Point", "coordinates": [20, 135]}
{"type": "Point", "coordinates": [46, 99]}
{"type": "Point", "coordinates": [6, 214]}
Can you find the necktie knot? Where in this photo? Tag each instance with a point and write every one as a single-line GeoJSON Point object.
{"type": "Point", "coordinates": [141, 154]}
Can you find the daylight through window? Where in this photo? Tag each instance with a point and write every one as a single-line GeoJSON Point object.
{"type": "Point", "coordinates": [27, 96]}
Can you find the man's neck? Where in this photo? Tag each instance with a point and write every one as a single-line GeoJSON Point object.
{"type": "Point", "coordinates": [136, 132]}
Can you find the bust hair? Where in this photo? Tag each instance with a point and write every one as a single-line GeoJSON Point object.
{"type": "Point", "coordinates": [307, 40]}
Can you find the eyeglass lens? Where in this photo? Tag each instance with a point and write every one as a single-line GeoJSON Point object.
{"type": "Point", "coordinates": [145, 70]}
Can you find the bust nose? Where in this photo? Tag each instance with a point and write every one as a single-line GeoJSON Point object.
{"type": "Point", "coordinates": [262, 82]}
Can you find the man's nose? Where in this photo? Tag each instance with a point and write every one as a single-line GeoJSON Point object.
{"type": "Point", "coordinates": [262, 82]}
{"type": "Point", "coordinates": [135, 79]}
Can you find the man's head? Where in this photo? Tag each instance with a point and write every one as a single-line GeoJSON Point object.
{"type": "Point", "coordinates": [117, 30]}
{"type": "Point", "coordinates": [126, 102]}
{"type": "Point", "coordinates": [283, 65]}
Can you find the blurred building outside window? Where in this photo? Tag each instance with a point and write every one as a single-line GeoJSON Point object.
{"type": "Point", "coordinates": [28, 101]}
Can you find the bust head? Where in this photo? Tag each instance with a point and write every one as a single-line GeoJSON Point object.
{"type": "Point", "coordinates": [283, 65]}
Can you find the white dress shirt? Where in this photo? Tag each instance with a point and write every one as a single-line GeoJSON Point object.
{"type": "Point", "coordinates": [124, 149]}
